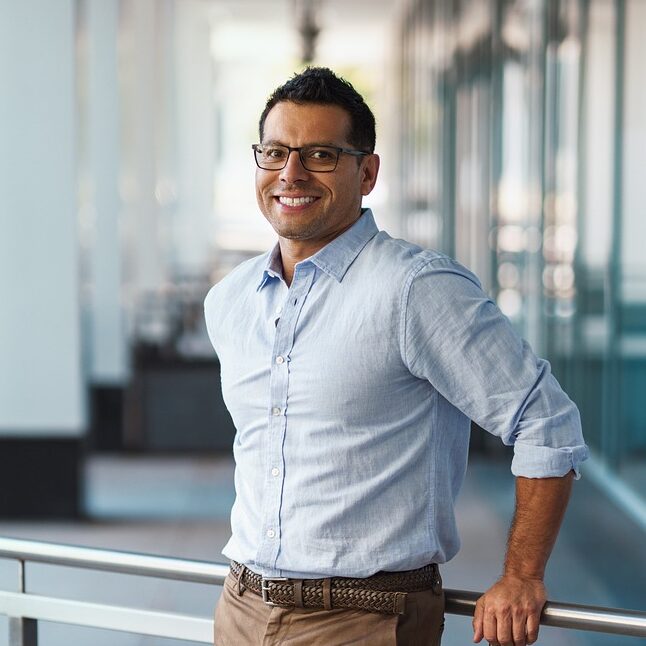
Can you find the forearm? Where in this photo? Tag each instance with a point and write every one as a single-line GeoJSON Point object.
{"type": "Point", "coordinates": [540, 506]}
{"type": "Point", "coordinates": [509, 612]}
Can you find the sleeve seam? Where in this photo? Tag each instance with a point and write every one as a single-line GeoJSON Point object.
{"type": "Point", "coordinates": [415, 271]}
{"type": "Point", "coordinates": [403, 319]}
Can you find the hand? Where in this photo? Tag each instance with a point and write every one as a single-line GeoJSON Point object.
{"type": "Point", "coordinates": [508, 614]}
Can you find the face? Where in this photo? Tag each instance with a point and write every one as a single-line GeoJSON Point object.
{"type": "Point", "coordinates": [308, 209]}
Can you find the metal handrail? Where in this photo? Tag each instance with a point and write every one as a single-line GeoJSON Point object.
{"type": "Point", "coordinates": [459, 602]}
{"type": "Point", "coordinates": [117, 561]}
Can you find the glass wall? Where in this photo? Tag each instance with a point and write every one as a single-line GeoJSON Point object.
{"type": "Point", "coordinates": [628, 310]}
{"type": "Point", "coordinates": [523, 130]}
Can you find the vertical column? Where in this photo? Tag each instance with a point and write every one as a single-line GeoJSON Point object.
{"type": "Point", "coordinates": [22, 631]}
{"type": "Point", "coordinates": [630, 341]}
{"type": "Point", "coordinates": [534, 330]}
{"type": "Point", "coordinates": [597, 160]}
{"type": "Point", "coordinates": [195, 129]}
{"type": "Point", "coordinates": [108, 361]}
{"type": "Point", "coordinates": [42, 403]}
{"type": "Point", "coordinates": [633, 229]}
{"type": "Point", "coordinates": [148, 260]}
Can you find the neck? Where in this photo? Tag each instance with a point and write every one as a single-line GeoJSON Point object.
{"type": "Point", "coordinates": [294, 251]}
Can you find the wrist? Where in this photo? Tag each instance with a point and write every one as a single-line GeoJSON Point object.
{"type": "Point", "coordinates": [524, 573]}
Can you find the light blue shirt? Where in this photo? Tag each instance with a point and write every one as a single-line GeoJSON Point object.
{"type": "Point", "coordinates": [351, 392]}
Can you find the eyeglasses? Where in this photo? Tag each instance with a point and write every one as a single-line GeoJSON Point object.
{"type": "Point", "coordinates": [317, 159]}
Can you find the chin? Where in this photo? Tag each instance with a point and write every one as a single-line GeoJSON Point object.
{"type": "Point", "coordinates": [293, 227]}
{"type": "Point", "coordinates": [292, 234]}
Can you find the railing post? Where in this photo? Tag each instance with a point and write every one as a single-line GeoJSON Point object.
{"type": "Point", "coordinates": [22, 631]}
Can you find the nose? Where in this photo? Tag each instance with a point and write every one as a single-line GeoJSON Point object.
{"type": "Point", "coordinates": [294, 169]}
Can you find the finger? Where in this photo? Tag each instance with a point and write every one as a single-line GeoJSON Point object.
{"type": "Point", "coordinates": [504, 625]}
{"type": "Point", "coordinates": [490, 626]}
{"type": "Point", "coordinates": [533, 623]}
{"type": "Point", "coordinates": [478, 631]}
{"type": "Point", "coordinates": [519, 629]}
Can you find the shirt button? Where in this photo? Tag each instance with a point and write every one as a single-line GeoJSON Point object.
{"type": "Point", "coordinates": [279, 309]}
{"type": "Point", "coordinates": [275, 471]}
{"type": "Point", "coordinates": [271, 533]}
{"type": "Point", "coordinates": [280, 359]}
{"type": "Point", "coordinates": [276, 411]}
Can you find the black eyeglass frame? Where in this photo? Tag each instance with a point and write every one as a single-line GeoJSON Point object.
{"type": "Point", "coordinates": [290, 149]}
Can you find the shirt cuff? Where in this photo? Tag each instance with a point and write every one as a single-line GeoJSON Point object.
{"type": "Point", "coordinates": [531, 461]}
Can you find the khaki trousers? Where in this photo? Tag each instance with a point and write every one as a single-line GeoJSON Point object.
{"type": "Point", "coordinates": [245, 620]}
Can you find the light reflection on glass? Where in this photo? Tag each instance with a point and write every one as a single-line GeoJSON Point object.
{"type": "Point", "coordinates": [510, 302]}
{"type": "Point", "coordinates": [559, 243]}
{"type": "Point", "coordinates": [511, 238]}
{"type": "Point", "coordinates": [508, 275]}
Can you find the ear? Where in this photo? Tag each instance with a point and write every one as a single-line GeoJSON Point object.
{"type": "Point", "coordinates": [369, 171]}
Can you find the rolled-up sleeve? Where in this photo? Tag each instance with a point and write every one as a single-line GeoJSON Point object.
{"type": "Point", "coordinates": [454, 336]}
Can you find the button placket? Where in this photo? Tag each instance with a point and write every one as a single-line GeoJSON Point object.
{"type": "Point", "coordinates": [279, 390]}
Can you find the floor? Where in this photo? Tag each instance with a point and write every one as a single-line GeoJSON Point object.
{"type": "Point", "coordinates": [179, 506]}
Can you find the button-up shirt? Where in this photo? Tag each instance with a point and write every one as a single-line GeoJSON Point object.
{"type": "Point", "coordinates": [352, 392]}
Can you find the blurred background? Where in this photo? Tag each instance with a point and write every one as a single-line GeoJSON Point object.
{"type": "Point", "coordinates": [512, 135]}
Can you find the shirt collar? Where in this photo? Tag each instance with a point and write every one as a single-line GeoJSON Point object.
{"type": "Point", "coordinates": [336, 257]}
{"type": "Point", "coordinates": [272, 268]}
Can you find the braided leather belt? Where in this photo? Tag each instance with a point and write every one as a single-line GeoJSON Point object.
{"type": "Point", "coordinates": [384, 592]}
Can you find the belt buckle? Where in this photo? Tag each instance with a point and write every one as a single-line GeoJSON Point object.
{"type": "Point", "coordinates": [264, 587]}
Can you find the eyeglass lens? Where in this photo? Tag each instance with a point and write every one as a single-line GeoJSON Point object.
{"type": "Point", "coordinates": [314, 158]}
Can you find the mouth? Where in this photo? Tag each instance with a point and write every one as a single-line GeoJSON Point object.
{"type": "Point", "coordinates": [299, 202]}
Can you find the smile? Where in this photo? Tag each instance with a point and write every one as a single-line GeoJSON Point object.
{"type": "Point", "coordinates": [296, 201]}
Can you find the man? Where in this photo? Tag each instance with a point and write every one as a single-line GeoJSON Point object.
{"type": "Point", "coordinates": [352, 365]}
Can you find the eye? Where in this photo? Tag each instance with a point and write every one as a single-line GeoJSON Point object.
{"type": "Point", "coordinates": [320, 154]}
{"type": "Point", "coordinates": [273, 152]}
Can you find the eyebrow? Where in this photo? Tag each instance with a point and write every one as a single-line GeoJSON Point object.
{"type": "Point", "coordinates": [274, 142]}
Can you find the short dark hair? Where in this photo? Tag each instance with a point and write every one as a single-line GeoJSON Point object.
{"type": "Point", "coordinates": [322, 86]}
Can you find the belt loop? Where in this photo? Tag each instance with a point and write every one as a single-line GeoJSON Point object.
{"type": "Point", "coordinates": [298, 593]}
{"type": "Point", "coordinates": [241, 586]}
{"type": "Point", "coordinates": [327, 594]}
{"type": "Point", "coordinates": [436, 584]}
{"type": "Point", "coordinates": [400, 603]}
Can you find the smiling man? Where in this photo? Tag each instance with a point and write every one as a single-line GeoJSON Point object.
{"type": "Point", "coordinates": [313, 196]}
{"type": "Point", "coordinates": [352, 364]}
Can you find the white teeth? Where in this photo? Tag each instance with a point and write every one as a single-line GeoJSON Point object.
{"type": "Point", "coordinates": [295, 201]}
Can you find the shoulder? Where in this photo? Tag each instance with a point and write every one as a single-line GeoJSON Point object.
{"type": "Point", "coordinates": [222, 303]}
{"type": "Point", "coordinates": [240, 281]}
{"type": "Point", "coordinates": [412, 263]}
{"type": "Point", "coordinates": [246, 276]}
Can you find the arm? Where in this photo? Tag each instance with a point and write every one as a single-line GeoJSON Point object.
{"type": "Point", "coordinates": [509, 612]}
{"type": "Point", "coordinates": [456, 337]}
